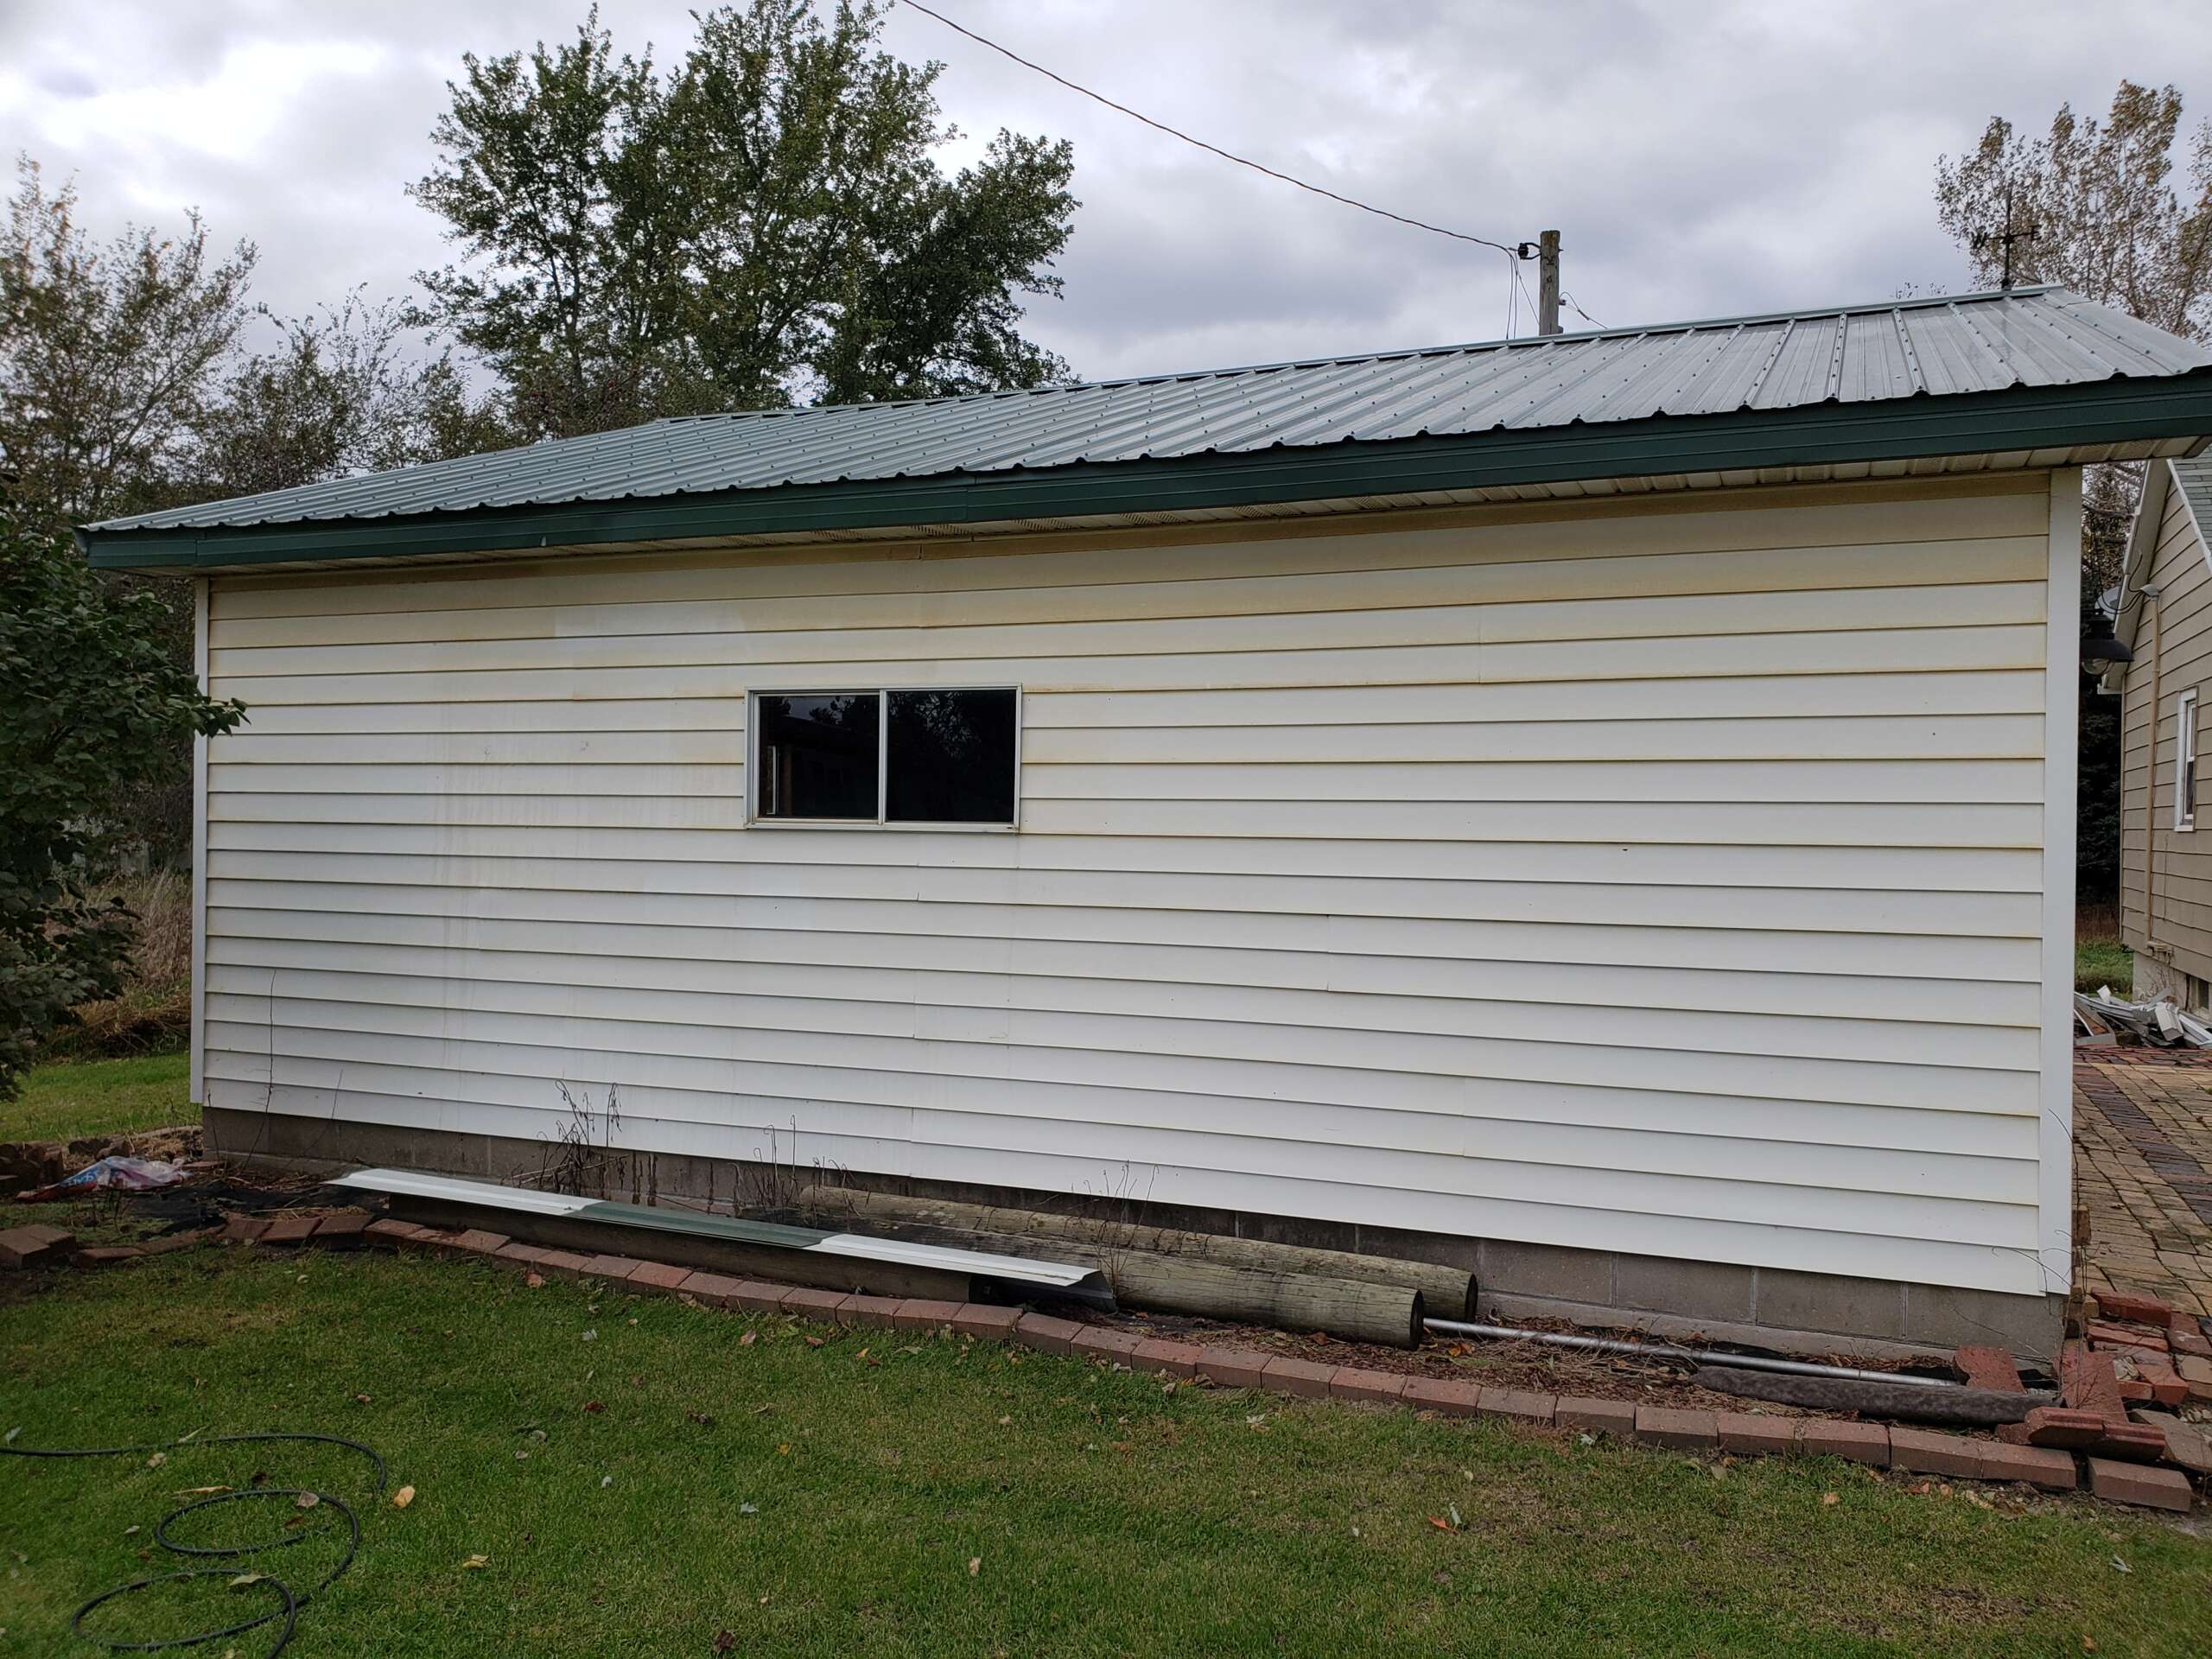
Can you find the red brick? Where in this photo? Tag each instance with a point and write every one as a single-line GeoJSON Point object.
{"type": "Point", "coordinates": [1986, 1367]}
{"type": "Point", "coordinates": [756, 1296]}
{"type": "Point", "coordinates": [982, 1320]}
{"type": "Point", "coordinates": [920, 1313]}
{"type": "Point", "coordinates": [2124, 1336]}
{"type": "Point", "coordinates": [1165, 1358]}
{"type": "Point", "coordinates": [1104, 1342]}
{"type": "Point", "coordinates": [712, 1289]}
{"type": "Point", "coordinates": [477, 1242]}
{"type": "Point", "coordinates": [2053, 1471]}
{"type": "Point", "coordinates": [568, 1264]}
{"type": "Point", "coordinates": [2131, 1443]}
{"type": "Point", "coordinates": [665, 1277]}
{"type": "Point", "coordinates": [2134, 1392]}
{"type": "Point", "coordinates": [240, 1230]}
{"type": "Point", "coordinates": [869, 1313]}
{"type": "Point", "coordinates": [1374, 1388]}
{"type": "Point", "coordinates": [2088, 1383]}
{"type": "Point", "coordinates": [1042, 1331]}
{"type": "Point", "coordinates": [522, 1256]}
{"type": "Point", "coordinates": [1926, 1452]}
{"type": "Point", "coordinates": [2196, 1374]}
{"type": "Point", "coordinates": [2124, 1305]}
{"type": "Point", "coordinates": [617, 1268]}
{"type": "Point", "coordinates": [1615, 1417]}
{"type": "Point", "coordinates": [1522, 1405]}
{"type": "Point", "coordinates": [2064, 1427]}
{"type": "Point", "coordinates": [1686, 1431]}
{"type": "Point", "coordinates": [1834, 1438]}
{"type": "Point", "coordinates": [385, 1233]}
{"type": "Point", "coordinates": [183, 1241]}
{"type": "Point", "coordinates": [2131, 1483]}
{"type": "Point", "coordinates": [1299, 1376]}
{"type": "Point", "coordinates": [346, 1231]}
{"type": "Point", "coordinates": [107, 1256]}
{"type": "Point", "coordinates": [2185, 1335]}
{"type": "Point", "coordinates": [430, 1241]}
{"type": "Point", "coordinates": [2166, 1383]}
{"type": "Point", "coordinates": [1749, 1434]}
{"type": "Point", "coordinates": [289, 1229]}
{"type": "Point", "coordinates": [809, 1303]}
{"type": "Point", "coordinates": [1447, 1395]}
{"type": "Point", "coordinates": [21, 1248]}
{"type": "Point", "coordinates": [42, 1236]}
{"type": "Point", "coordinates": [1233, 1368]}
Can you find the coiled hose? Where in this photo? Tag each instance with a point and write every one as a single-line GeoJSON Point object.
{"type": "Point", "coordinates": [290, 1601]}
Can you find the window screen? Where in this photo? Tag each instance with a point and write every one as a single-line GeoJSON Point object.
{"type": "Point", "coordinates": [928, 756]}
{"type": "Point", "coordinates": [818, 755]}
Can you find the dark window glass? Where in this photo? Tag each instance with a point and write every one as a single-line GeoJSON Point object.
{"type": "Point", "coordinates": [818, 755]}
{"type": "Point", "coordinates": [951, 757]}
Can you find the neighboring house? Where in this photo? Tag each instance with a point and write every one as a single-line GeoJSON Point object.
{"type": "Point", "coordinates": [2164, 613]}
{"type": "Point", "coordinates": [1586, 808]}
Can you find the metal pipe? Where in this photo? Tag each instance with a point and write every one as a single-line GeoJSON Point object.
{"type": "Point", "coordinates": [1688, 1355]}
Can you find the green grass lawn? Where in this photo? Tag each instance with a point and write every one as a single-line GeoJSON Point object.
{"type": "Point", "coordinates": [882, 1494]}
{"type": "Point", "coordinates": [2103, 962]}
{"type": "Point", "coordinates": [59, 1103]}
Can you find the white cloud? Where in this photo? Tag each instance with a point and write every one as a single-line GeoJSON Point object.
{"type": "Point", "coordinates": [1700, 159]}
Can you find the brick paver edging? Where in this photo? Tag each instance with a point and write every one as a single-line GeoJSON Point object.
{"type": "Point", "coordinates": [1732, 1432]}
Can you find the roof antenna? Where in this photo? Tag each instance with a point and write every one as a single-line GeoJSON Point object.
{"type": "Point", "coordinates": [1984, 240]}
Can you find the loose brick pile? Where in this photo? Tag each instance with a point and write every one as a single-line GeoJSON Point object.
{"type": "Point", "coordinates": [2041, 1452]}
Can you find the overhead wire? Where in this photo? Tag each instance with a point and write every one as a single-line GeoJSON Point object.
{"type": "Point", "coordinates": [1216, 149]}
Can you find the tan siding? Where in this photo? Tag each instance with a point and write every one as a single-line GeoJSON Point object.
{"type": "Point", "coordinates": [2183, 631]}
{"type": "Point", "coordinates": [1667, 881]}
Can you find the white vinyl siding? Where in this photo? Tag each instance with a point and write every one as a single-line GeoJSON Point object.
{"type": "Point", "coordinates": [1664, 878]}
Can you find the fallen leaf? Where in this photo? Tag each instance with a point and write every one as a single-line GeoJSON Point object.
{"type": "Point", "coordinates": [475, 1562]}
{"type": "Point", "coordinates": [245, 1578]}
{"type": "Point", "coordinates": [157, 1460]}
{"type": "Point", "coordinates": [1006, 1422]}
{"type": "Point", "coordinates": [975, 1565]}
{"type": "Point", "coordinates": [702, 1419]}
{"type": "Point", "coordinates": [1456, 1522]}
{"type": "Point", "coordinates": [748, 1509]}
{"type": "Point", "coordinates": [402, 1497]}
{"type": "Point", "coordinates": [129, 1531]}
{"type": "Point", "coordinates": [1439, 1524]}
{"type": "Point", "coordinates": [307, 1500]}
{"type": "Point", "coordinates": [591, 1336]}
{"type": "Point", "coordinates": [2119, 1566]}
{"type": "Point", "coordinates": [605, 1481]}
{"type": "Point", "coordinates": [199, 1491]}
{"type": "Point", "coordinates": [594, 1406]}
{"type": "Point", "coordinates": [536, 1281]}
{"type": "Point", "coordinates": [748, 1338]}
{"type": "Point", "coordinates": [725, 1640]}
{"type": "Point", "coordinates": [784, 1450]}
{"type": "Point", "coordinates": [361, 1399]}
{"type": "Point", "coordinates": [814, 1342]}
{"type": "Point", "coordinates": [1827, 1498]}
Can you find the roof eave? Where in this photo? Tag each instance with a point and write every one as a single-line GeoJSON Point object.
{"type": "Point", "coordinates": [2107, 411]}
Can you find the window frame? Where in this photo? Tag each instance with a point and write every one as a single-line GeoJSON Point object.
{"type": "Point", "coordinates": [754, 820]}
{"type": "Point", "coordinates": [2185, 761]}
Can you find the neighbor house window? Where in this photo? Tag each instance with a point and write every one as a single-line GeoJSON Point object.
{"type": "Point", "coordinates": [924, 754]}
{"type": "Point", "coordinates": [2185, 762]}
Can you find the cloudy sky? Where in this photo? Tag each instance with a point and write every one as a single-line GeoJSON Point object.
{"type": "Point", "coordinates": [1699, 159]}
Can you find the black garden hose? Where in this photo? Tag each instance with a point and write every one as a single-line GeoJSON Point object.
{"type": "Point", "coordinates": [292, 1601]}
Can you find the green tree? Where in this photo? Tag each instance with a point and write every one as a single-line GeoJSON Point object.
{"type": "Point", "coordinates": [765, 224]}
{"type": "Point", "coordinates": [90, 702]}
{"type": "Point", "coordinates": [337, 394]}
{"type": "Point", "coordinates": [108, 353]}
{"type": "Point", "coordinates": [2103, 216]}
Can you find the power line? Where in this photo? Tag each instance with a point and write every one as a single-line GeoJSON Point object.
{"type": "Point", "coordinates": [1099, 97]}
{"type": "Point", "coordinates": [1579, 311]}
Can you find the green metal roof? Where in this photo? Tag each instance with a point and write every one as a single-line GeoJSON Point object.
{"type": "Point", "coordinates": [2024, 370]}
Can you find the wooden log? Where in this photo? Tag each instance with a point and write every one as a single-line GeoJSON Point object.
{"type": "Point", "coordinates": [1969, 1408]}
{"type": "Point", "coordinates": [1352, 1309]}
{"type": "Point", "coordinates": [1447, 1292]}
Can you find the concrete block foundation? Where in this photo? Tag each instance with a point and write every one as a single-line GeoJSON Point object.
{"type": "Point", "coordinates": [1666, 1297]}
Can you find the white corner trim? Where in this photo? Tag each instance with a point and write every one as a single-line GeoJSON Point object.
{"type": "Point", "coordinates": [198, 1081]}
{"type": "Point", "coordinates": [2062, 696]}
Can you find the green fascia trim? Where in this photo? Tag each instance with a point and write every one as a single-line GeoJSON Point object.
{"type": "Point", "coordinates": [2109, 411]}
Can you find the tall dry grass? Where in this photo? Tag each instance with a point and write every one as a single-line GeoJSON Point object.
{"type": "Point", "coordinates": [154, 1011]}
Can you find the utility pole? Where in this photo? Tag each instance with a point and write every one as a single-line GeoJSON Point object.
{"type": "Point", "coordinates": [1545, 251]}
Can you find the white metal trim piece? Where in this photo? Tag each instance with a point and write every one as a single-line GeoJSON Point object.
{"type": "Point", "coordinates": [2184, 759]}
{"type": "Point", "coordinates": [412, 1184]}
{"type": "Point", "coordinates": [201, 600]}
{"type": "Point", "coordinates": [980, 1262]}
{"type": "Point", "coordinates": [2062, 698]}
